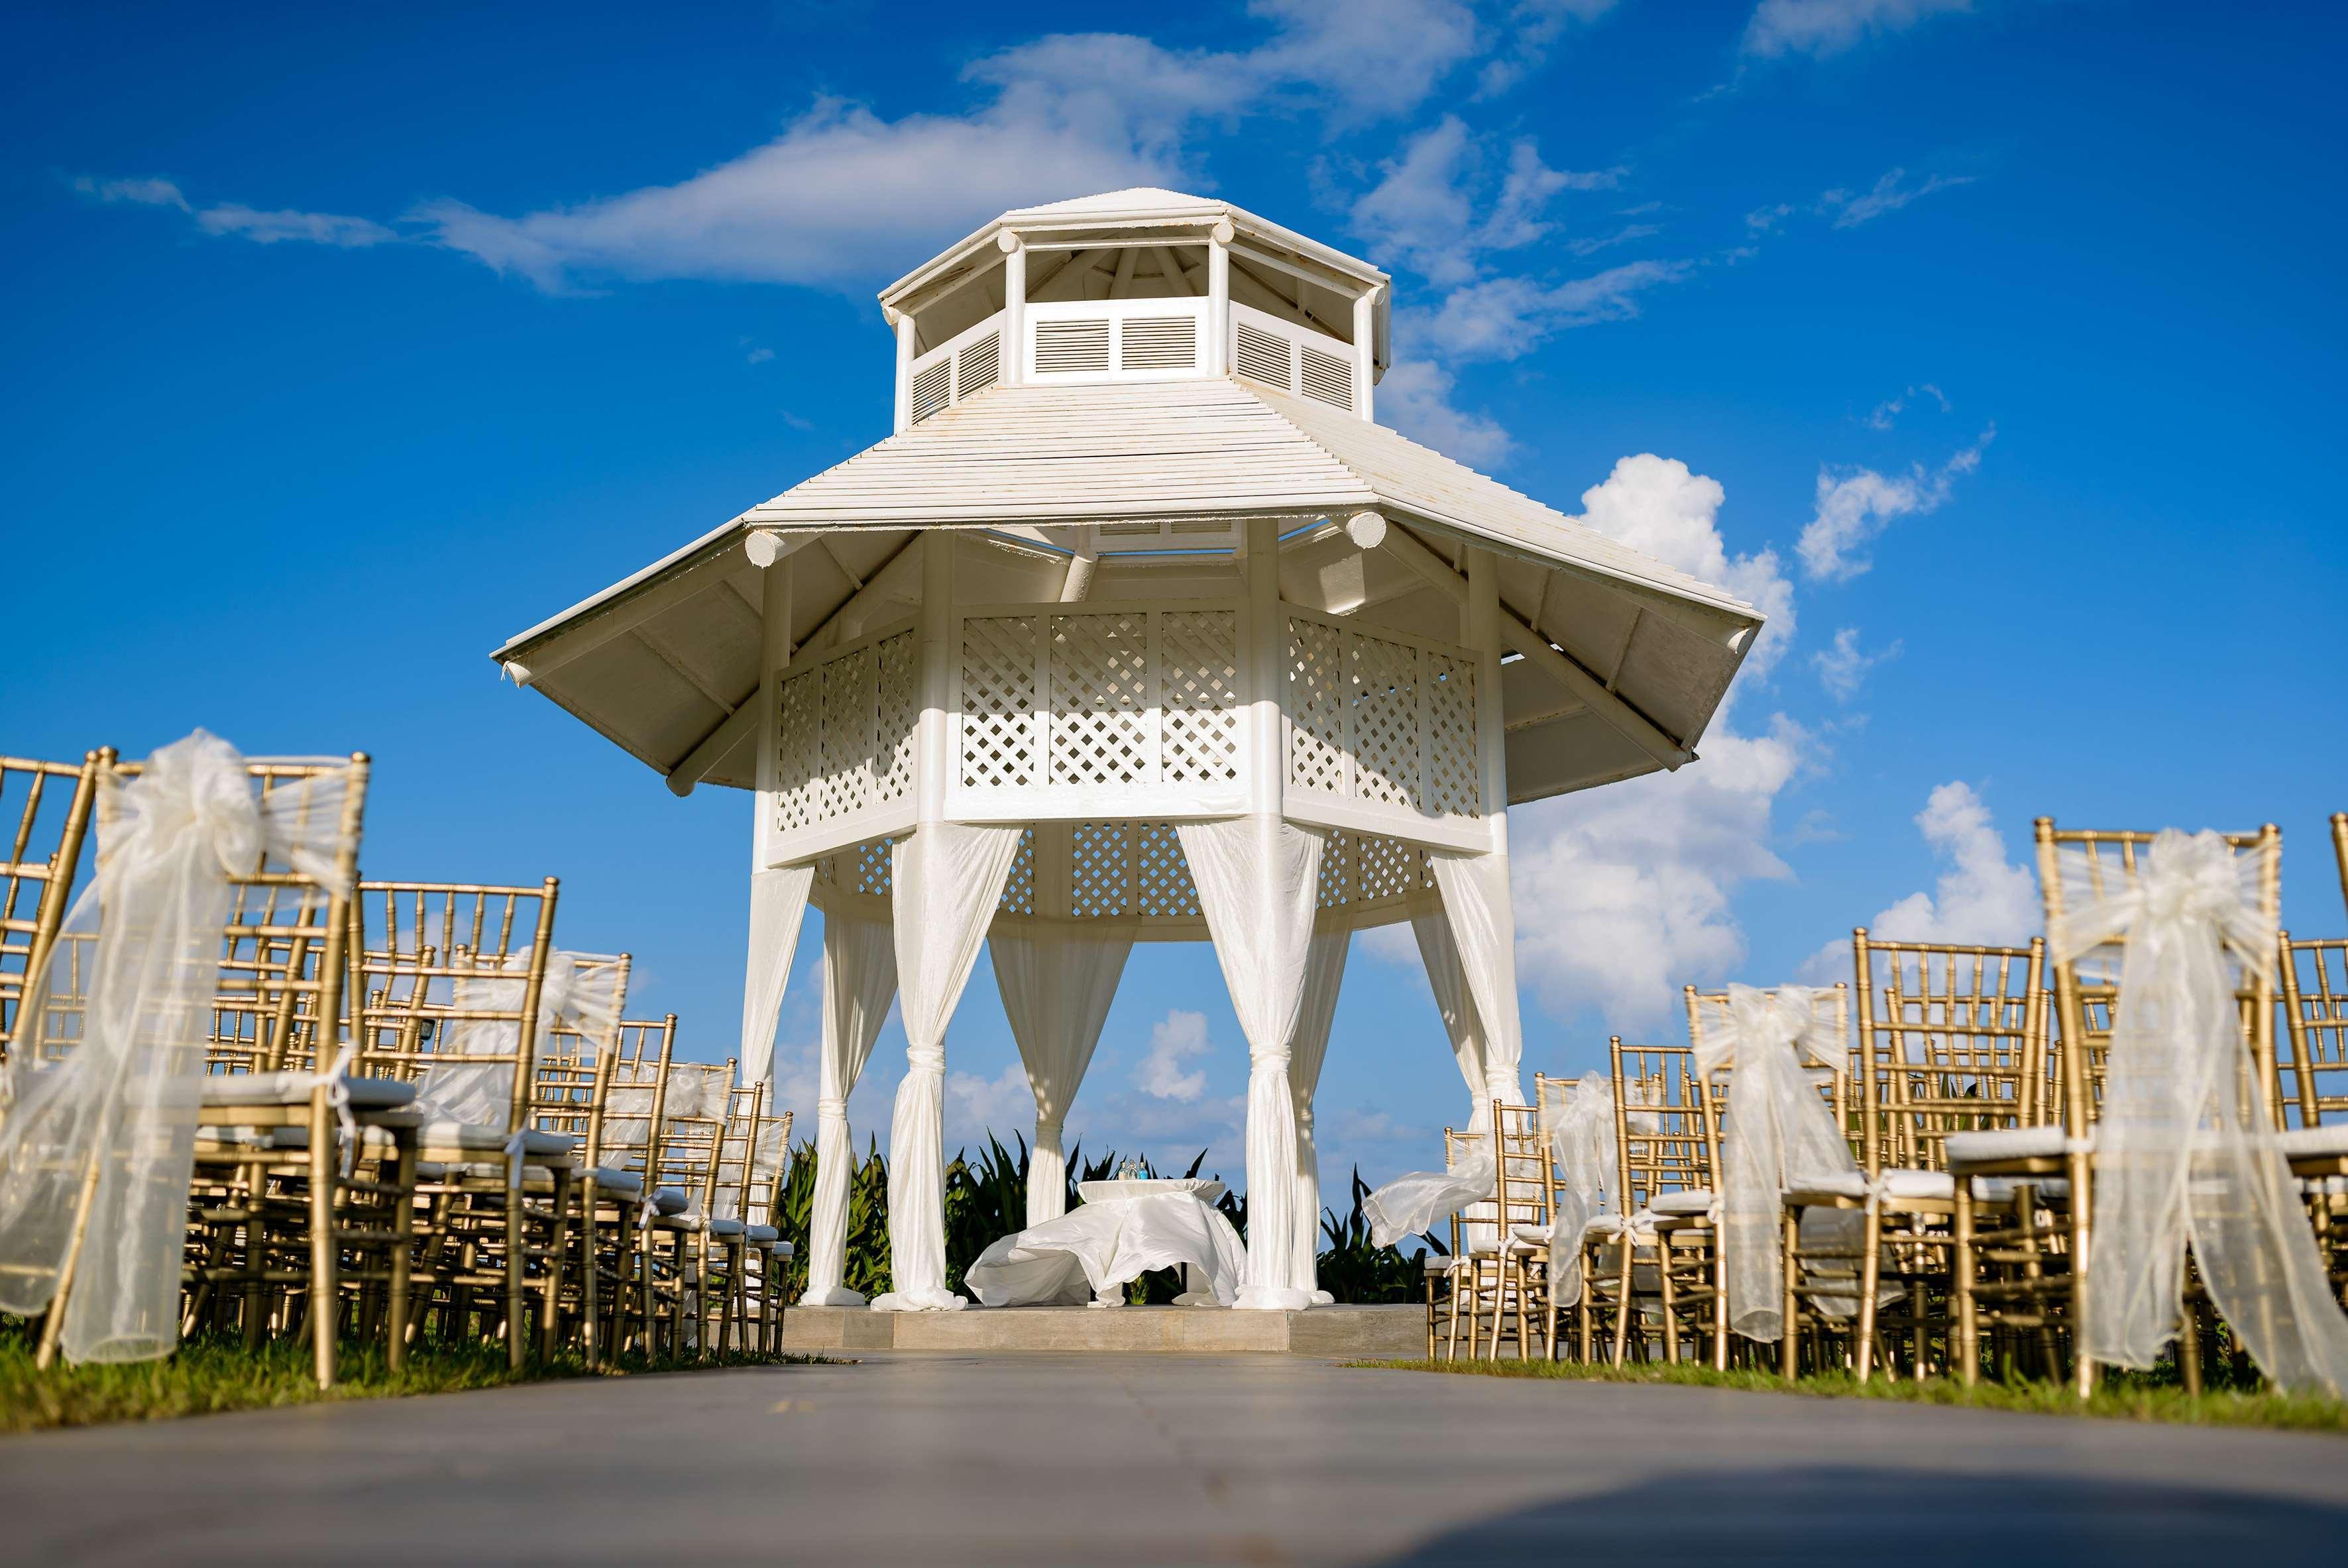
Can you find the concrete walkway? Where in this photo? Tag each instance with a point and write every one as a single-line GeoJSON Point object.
{"type": "Point", "coordinates": [938, 1460]}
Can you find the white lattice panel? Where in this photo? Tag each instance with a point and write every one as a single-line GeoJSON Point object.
{"type": "Point", "coordinates": [1453, 779]}
{"type": "Point", "coordinates": [844, 774]}
{"type": "Point", "coordinates": [1162, 886]}
{"type": "Point", "coordinates": [1102, 731]}
{"type": "Point", "coordinates": [1100, 871]}
{"type": "Point", "coordinates": [1199, 680]}
{"type": "Point", "coordinates": [1336, 873]}
{"type": "Point", "coordinates": [799, 731]}
{"type": "Point", "coordinates": [998, 701]}
{"type": "Point", "coordinates": [1316, 707]}
{"type": "Point", "coordinates": [1383, 692]}
{"type": "Point", "coordinates": [1386, 868]}
{"type": "Point", "coordinates": [1019, 887]}
{"type": "Point", "coordinates": [876, 870]}
{"type": "Point", "coordinates": [900, 714]}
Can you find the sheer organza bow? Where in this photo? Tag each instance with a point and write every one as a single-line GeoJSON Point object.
{"type": "Point", "coordinates": [1778, 1133]}
{"type": "Point", "coordinates": [126, 1000]}
{"type": "Point", "coordinates": [2184, 1153]}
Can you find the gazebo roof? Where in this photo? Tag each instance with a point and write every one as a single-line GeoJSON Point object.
{"type": "Point", "coordinates": [657, 662]}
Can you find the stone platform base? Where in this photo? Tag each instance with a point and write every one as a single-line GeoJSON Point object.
{"type": "Point", "coordinates": [1348, 1331]}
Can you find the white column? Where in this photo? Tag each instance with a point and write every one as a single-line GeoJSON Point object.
{"type": "Point", "coordinates": [1324, 970]}
{"type": "Point", "coordinates": [1219, 299]}
{"type": "Point", "coordinates": [1477, 899]}
{"type": "Point", "coordinates": [1365, 337]}
{"type": "Point", "coordinates": [905, 369]}
{"type": "Point", "coordinates": [1011, 355]}
{"type": "Point", "coordinates": [778, 896]}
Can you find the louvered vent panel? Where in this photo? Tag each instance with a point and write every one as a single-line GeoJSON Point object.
{"type": "Point", "coordinates": [1159, 342]}
{"type": "Point", "coordinates": [933, 388]}
{"type": "Point", "coordinates": [978, 366]}
{"type": "Point", "coordinates": [1071, 348]}
{"type": "Point", "coordinates": [1328, 378]}
{"type": "Point", "coordinates": [1261, 356]}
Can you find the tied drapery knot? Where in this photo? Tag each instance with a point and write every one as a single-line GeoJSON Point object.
{"type": "Point", "coordinates": [1764, 1023]}
{"type": "Point", "coordinates": [831, 1108]}
{"type": "Point", "coordinates": [198, 787]}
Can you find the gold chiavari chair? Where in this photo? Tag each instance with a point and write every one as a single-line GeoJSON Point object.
{"type": "Point", "coordinates": [1658, 1259]}
{"type": "Point", "coordinates": [766, 1140]}
{"type": "Point", "coordinates": [1471, 1226]}
{"type": "Point", "coordinates": [280, 1107]}
{"type": "Point", "coordinates": [51, 803]}
{"type": "Point", "coordinates": [635, 1108]}
{"type": "Point", "coordinates": [2313, 1130]}
{"type": "Point", "coordinates": [1820, 1276]}
{"type": "Point", "coordinates": [571, 1085]}
{"type": "Point", "coordinates": [451, 989]}
{"type": "Point", "coordinates": [2086, 991]}
{"type": "Point", "coordinates": [2340, 850]}
{"type": "Point", "coordinates": [1508, 1257]}
{"type": "Point", "coordinates": [1951, 1040]}
{"type": "Point", "coordinates": [1551, 1097]}
{"type": "Point", "coordinates": [1448, 1269]}
{"type": "Point", "coordinates": [688, 1139]}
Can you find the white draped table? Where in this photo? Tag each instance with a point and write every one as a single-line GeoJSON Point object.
{"type": "Point", "coordinates": [1120, 1231]}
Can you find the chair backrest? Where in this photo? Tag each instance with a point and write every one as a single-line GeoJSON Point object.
{"type": "Point", "coordinates": [635, 1097]}
{"type": "Point", "coordinates": [45, 810]}
{"type": "Point", "coordinates": [691, 1136]}
{"type": "Point", "coordinates": [1523, 1176]}
{"type": "Point", "coordinates": [450, 977]}
{"type": "Point", "coordinates": [750, 1156]}
{"type": "Point", "coordinates": [1951, 1038]}
{"type": "Point", "coordinates": [1708, 1011]}
{"type": "Point", "coordinates": [1673, 1144]}
{"type": "Point", "coordinates": [572, 1077]}
{"type": "Point", "coordinates": [282, 998]}
{"type": "Point", "coordinates": [2087, 988]}
{"type": "Point", "coordinates": [2340, 850]}
{"type": "Point", "coordinates": [2315, 1026]}
{"type": "Point", "coordinates": [1474, 1222]}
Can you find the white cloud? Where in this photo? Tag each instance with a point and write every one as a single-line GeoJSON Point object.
{"type": "Point", "coordinates": [1422, 210]}
{"type": "Point", "coordinates": [1656, 506]}
{"type": "Point", "coordinates": [1415, 398]}
{"type": "Point", "coordinates": [758, 356]}
{"type": "Point", "coordinates": [1981, 897]}
{"type": "Point", "coordinates": [1890, 193]}
{"type": "Point", "coordinates": [1886, 413]}
{"type": "Point", "coordinates": [1824, 27]}
{"type": "Point", "coordinates": [1853, 508]}
{"type": "Point", "coordinates": [1535, 27]}
{"type": "Point", "coordinates": [1625, 893]}
{"type": "Point", "coordinates": [1588, 244]}
{"type": "Point", "coordinates": [1174, 1039]}
{"type": "Point", "coordinates": [1003, 1105]}
{"type": "Point", "coordinates": [1763, 219]}
{"type": "Point", "coordinates": [231, 218]}
{"type": "Point", "coordinates": [1843, 667]}
{"type": "Point", "coordinates": [1508, 318]}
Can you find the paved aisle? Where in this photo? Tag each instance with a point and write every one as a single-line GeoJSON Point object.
{"type": "Point", "coordinates": [939, 1459]}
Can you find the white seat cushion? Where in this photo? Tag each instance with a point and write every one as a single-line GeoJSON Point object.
{"type": "Point", "coordinates": [1438, 1263]}
{"type": "Point", "coordinates": [294, 1089]}
{"type": "Point", "coordinates": [2004, 1143]}
{"type": "Point", "coordinates": [669, 1201]}
{"type": "Point", "coordinates": [2330, 1138]}
{"type": "Point", "coordinates": [2001, 1188]}
{"type": "Point", "coordinates": [474, 1136]}
{"type": "Point", "coordinates": [618, 1183]}
{"type": "Point", "coordinates": [763, 1234]}
{"type": "Point", "coordinates": [1895, 1184]}
{"type": "Point", "coordinates": [1517, 1246]}
{"type": "Point", "coordinates": [725, 1227]}
{"type": "Point", "coordinates": [1694, 1200]}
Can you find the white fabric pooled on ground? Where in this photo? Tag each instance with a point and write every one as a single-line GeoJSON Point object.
{"type": "Point", "coordinates": [1098, 1248]}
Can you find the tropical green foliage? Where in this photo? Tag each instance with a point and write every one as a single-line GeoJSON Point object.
{"type": "Point", "coordinates": [986, 1198]}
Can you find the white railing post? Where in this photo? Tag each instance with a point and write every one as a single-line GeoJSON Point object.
{"type": "Point", "coordinates": [1219, 299]}
{"type": "Point", "coordinates": [1366, 333]}
{"type": "Point", "coordinates": [1011, 349]}
{"type": "Point", "coordinates": [905, 369]}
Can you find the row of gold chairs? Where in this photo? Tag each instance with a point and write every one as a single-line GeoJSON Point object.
{"type": "Point", "coordinates": [418, 1120]}
{"type": "Point", "coordinates": [1968, 1081]}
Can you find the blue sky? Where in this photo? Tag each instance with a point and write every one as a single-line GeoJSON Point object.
{"type": "Point", "coordinates": [1994, 347]}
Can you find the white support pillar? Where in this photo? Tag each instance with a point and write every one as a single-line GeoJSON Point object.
{"type": "Point", "coordinates": [931, 762]}
{"type": "Point", "coordinates": [1011, 354]}
{"type": "Point", "coordinates": [1480, 618]}
{"type": "Point", "coordinates": [1267, 659]}
{"type": "Point", "coordinates": [1366, 340]}
{"type": "Point", "coordinates": [905, 369]}
{"type": "Point", "coordinates": [1219, 299]}
{"type": "Point", "coordinates": [1494, 976]}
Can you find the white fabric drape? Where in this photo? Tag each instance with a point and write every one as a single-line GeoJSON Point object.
{"type": "Point", "coordinates": [1415, 1200]}
{"type": "Point", "coordinates": [1258, 881]}
{"type": "Point", "coordinates": [123, 1105]}
{"type": "Point", "coordinates": [778, 901]}
{"type": "Point", "coordinates": [948, 881]}
{"type": "Point", "coordinates": [1482, 919]}
{"type": "Point", "coordinates": [1578, 1122]}
{"type": "Point", "coordinates": [1101, 1247]}
{"type": "Point", "coordinates": [582, 992]}
{"type": "Point", "coordinates": [1324, 972]}
{"type": "Point", "coordinates": [1057, 986]}
{"type": "Point", "coordinates": [1778, 1133]}
{"type": "Point", "coordinates": [859, 979]}
{"type": "Point", "coordinates": [2183, 1155]}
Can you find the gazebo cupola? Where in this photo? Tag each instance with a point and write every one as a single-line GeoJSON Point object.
{"type": "Point", "coordinates": [1138, 627]}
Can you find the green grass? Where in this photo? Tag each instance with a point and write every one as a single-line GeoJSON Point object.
{"type": "Point", "coordinates": [205, 1379]}
{"type": "Point", "coordinates": [2116, 1398]}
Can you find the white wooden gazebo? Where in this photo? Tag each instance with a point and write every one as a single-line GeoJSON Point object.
{"type": "Point", "coordinates": [1137, 627]}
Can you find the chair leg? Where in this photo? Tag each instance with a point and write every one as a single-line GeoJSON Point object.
{"type": "Point", "coordinates": [402, 1168]}
{"type": "Point", "coordinates": [1623, 1304]}
{"type": "Point", "coordinates": [1789, 1336]}
{"type": "Point", "coordinates": [1870, 1276]}
{"type": "Point", "coordinates": [1968, 1325]}
{"type": "Point", "coordinates": [325, 1300]}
